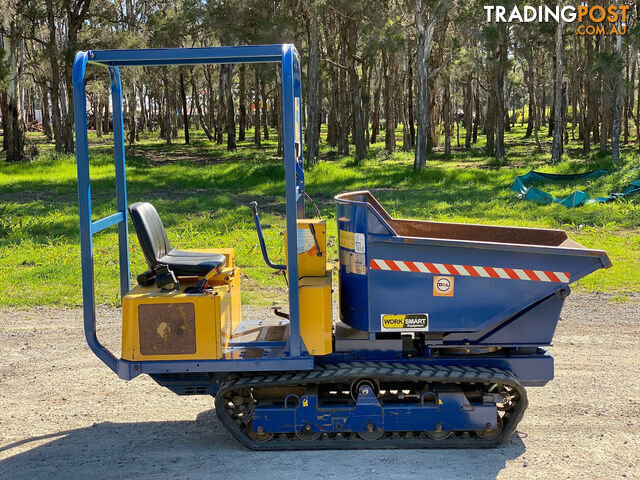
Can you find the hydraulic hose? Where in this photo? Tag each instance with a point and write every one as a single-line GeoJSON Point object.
{"type": "Point", "coordinates": [254, 208]}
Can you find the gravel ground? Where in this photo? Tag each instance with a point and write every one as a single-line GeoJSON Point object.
{"type": "Point", "coordinates": [63, 414]}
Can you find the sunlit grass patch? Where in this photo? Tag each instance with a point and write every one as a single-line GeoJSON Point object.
{"type": "Point", "coordinates": [202, 192]}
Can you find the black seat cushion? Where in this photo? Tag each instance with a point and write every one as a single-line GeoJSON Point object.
{"type": "Point", "coordinates": [151, 233]}
{"type": "Point", "coordinates": [158, 251]}
{"type": "Point", "coordinates": [187, 263]}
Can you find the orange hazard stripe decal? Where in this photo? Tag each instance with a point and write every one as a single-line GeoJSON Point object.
{"type": "Point", "coordinates": [469, 270]}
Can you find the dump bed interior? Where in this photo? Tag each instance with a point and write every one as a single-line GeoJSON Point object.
{"type": "Point", "coordinates": [464, 231]}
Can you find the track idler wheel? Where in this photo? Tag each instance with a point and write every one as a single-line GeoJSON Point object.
{"type": "Point", "coordinates": [258, 436]}
{"type": "Point", "coordinates": [372, 433]}
{"type": "Point", "coordinates": [308, 435]}
{"type": "Point", "coordinates": [370, 384]}
{"type": "Point", "coordinates": [438, 433]}
{"type": "Point", "coordinates": [491, 433]}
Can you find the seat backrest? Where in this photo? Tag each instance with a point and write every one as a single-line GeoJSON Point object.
{"type": "Point", "coordinates": [151, 233]}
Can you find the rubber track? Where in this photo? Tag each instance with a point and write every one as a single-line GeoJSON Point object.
{"type": "Point", "coordinates": [345, 373]}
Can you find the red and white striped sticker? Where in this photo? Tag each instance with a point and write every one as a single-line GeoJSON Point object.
{"type": "Point", "coordinates": [470, 270]}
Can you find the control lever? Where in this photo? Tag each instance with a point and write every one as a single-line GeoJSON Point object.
{"type": "Point", "coordinates": [254, 209]}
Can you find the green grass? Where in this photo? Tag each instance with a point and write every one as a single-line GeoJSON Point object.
{"type": "Point", "coordinates": [201, 191]}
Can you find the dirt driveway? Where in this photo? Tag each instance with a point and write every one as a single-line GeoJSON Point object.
{"type": "Point", "coordinates": [63, 414]}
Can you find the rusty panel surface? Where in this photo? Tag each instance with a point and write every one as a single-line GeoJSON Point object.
{"type": "Point", "coordinates": [479, 233]}
{"type": "Point", "coordinates": [167, 328]}
{"type": "Point", "coordinates": [464, 231]}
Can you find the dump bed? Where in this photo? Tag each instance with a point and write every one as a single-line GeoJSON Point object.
{"type": "Point", "coordinates": [460, 282]}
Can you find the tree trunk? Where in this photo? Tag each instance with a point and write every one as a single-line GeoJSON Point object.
{"type": "Point", "coordinates": [227, 72]}
{"type": "Point", "coordinates": [257, 138]}
{"type": "Point", "coordinates": [637, 119]}
{"type": "Point", "coordinates": [499, 93]}
{"type": "Point", "coordinates": [277, 111]}
{"type": "Point", "coordinates": [332, 97]}
{"type": "Point", "coordinates": [314, 102]}
{"type": "Point", "coordinates": [133, 123]}
{"type": "Point", "coordinates": [446, 113]}
{"type": "Point", "coordinates": [196, 97]}
{"type": "Point", "coordinates": [367, 70]}
{"type": "Point", "coordinates": [211, 104]}
{"type": "Point", "coordinates": [490, 122]}
{"type": "Point", "coordinates": [265, 111]}
{"type": "Point", "coordinates": [242, 101]}
{"type": "Point", "coordinates": [52, 49]}
{"type": "Point", "coordinates": [14, 127]}
{"type": "Point", "coordinates": [343, 102]}
{"type": "Point", "coordinates": [574, 109]}
{"type": "Point", "coordinates": [552, 111]}
{"type": "Point", "coordinates": [558, 130]}
{"type": "Point", "coordinates": [406, 146]}
{"type": "Point", "coordinates": [617, 106]}
{"type": "Point", "coordinates": [588, 111]}
{"type": "Point", "coordinates": [457, 120]}
{"type": "Point", "coordinates": [507, 117]}
{"type": "Point", "coordinates": [375, 117]}
{"type": "Point", "coordinates": [433, 139]}
{"type": "Point", "coordinates": [625, 114]}
{"type": "Point", "coordinates": [221, 109]}
{"type": "Point", "coordinates": [46, 114]}
{"type": "Point", "coordinates": [536, 127]}
{"type": "Point", "coordinates": [425, 26]}
{"type": "Point", "coordinates": [174, 109]}
{"type": "Point", "coordinates": [167, 109]}
{"type": "Point", "coordinates": [144, 115]}
{"type": "Point", "coordinates": [107, 124]}
{"type": "Point", "coordinates": [389, 121]}
{"type": "Point", "coordinates": [356, 96]}
{"type": "Point", "coordinates": [476, 118]}
{"type": "Point", "coordinates": [98, 121]}
{"type": "Point", "coordinates": [543, 105]}
{"type": "Point", "coordinates": [185, 109]}
{"type": "Point", "coordinates": [410, 119]}
{"type": "Point", "coordinates": [468, 112]}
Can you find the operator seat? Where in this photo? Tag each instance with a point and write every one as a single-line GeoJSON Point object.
{"type": "Point", "coordinates": [157, 249]}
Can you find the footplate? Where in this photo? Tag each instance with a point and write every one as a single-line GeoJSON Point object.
{"type": "Point", "coordinates": [373, 405]}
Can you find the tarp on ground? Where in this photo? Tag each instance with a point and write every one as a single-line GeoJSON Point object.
{"type": "Point", "coordinates": [522, 185]}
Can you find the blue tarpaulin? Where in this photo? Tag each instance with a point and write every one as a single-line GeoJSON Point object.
{"type": "Point", "coordinates": [522, 186]}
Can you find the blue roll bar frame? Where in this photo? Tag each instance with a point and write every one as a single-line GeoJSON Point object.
{"type": "Point", "coordinates": [294, 358]}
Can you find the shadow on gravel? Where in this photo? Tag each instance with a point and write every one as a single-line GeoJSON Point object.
{"type": "Point", "coordinates": [203, 449]}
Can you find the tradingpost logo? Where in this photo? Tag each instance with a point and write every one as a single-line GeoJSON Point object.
{"type": "Point", "coordinates": [588, 20]}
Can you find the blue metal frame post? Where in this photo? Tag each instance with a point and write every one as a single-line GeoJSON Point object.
{"type": "Point", "coordinates": [289, 59]}
{"type": "Point", "coordinates": [121, 179]}
{"type": "Point", "coordinates": [287, 56]}
{"type": "Point", "coordinates": [87, 229]}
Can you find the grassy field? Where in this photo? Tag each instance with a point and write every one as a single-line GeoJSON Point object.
{"type": "Point", "coordinates": [201, 191]}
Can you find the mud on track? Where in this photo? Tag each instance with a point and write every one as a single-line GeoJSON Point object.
{"type": "Point", "coordinates": [63, 414]}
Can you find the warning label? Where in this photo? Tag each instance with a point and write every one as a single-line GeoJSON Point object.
{"type": "Point", "coordinates": [346, 239]}
{"type": "Point", "coordinates": [306, 242]}
{"type": "Point", "coordinates": [353, 262]}
{"type": "Point", "coordinates": [358, 242]}
{"type": "Point", "coordinates": [352, 241]}
{"type": "Point", "coordinates": [443, 286]}
{"type": "Point", "coordinates": [405, 321]}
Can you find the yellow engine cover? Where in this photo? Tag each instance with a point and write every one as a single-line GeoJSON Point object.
{"type": "Point", "coordinates": [158, 325]}
{"type": "Point", "coordinates": [316, 319]}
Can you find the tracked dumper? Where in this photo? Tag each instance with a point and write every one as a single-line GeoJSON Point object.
{"type": "Point", "coordinates": [441, 325]}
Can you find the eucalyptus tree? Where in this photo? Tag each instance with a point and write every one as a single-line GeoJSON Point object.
{"type": "Point", "coordinates": [428, 15]}
{"type": "Point", "coordinates": [12, 47]}
{"type": "Point", "coordinates": [558, 130]}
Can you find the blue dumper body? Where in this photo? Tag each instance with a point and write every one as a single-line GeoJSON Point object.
{"type": "Point", "coordinates": [471, 286]}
